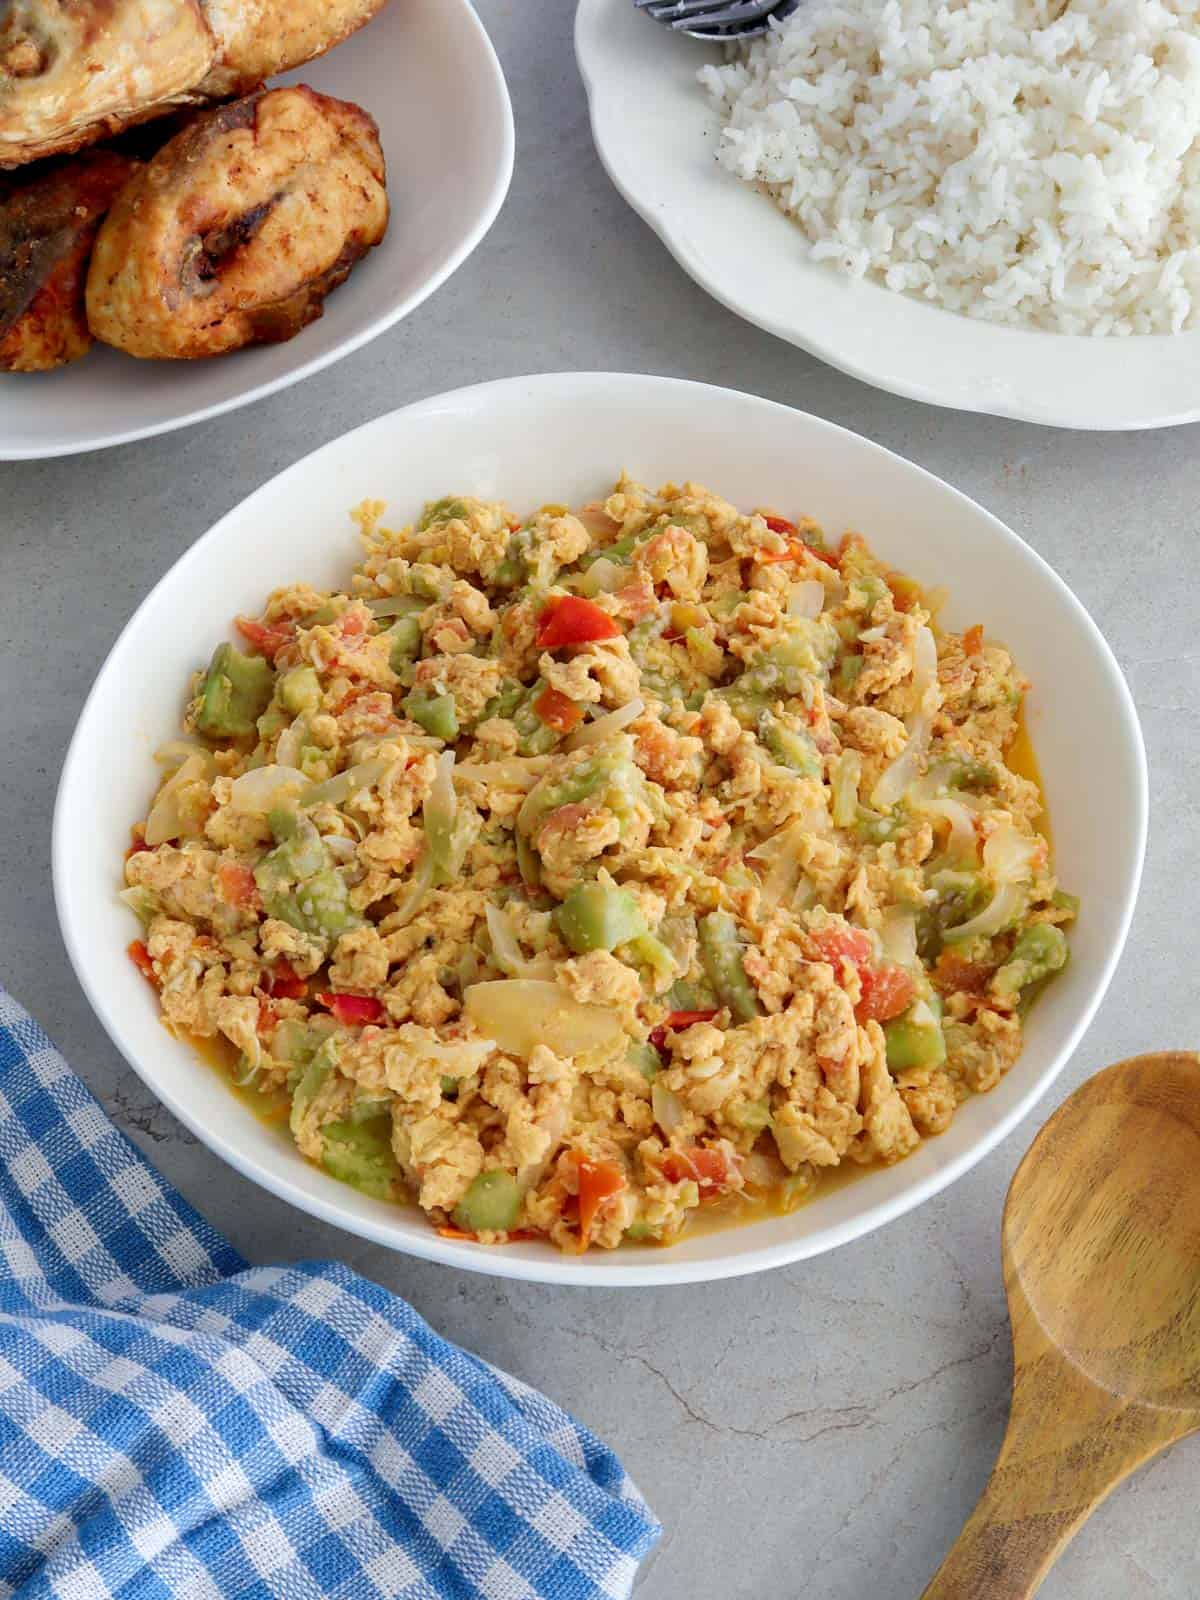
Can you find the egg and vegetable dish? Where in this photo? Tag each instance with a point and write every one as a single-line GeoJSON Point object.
{"type": "Point", "coordinates": [585, 874]}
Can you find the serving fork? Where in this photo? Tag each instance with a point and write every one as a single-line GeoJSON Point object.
{"type": "Point", "coordinates": [718, 19]}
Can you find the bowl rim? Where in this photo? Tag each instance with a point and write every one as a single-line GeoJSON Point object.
{"type": "Point", "coordinates": [555, 1268]}
{"type": "Point", "coordinates": [727, 284]}
{"type": "Point", "coordinates": [504, 155]}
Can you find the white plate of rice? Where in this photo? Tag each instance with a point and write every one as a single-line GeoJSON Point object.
{"type": "Point", "coordinates": [1019, 170]}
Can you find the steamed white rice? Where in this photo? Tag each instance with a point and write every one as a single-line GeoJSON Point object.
{"type": "Point", "coordinates": [1023, 161]}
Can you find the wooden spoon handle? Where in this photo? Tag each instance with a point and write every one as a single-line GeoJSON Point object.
{"type": "Point", "coordinates": [1068, 1444]}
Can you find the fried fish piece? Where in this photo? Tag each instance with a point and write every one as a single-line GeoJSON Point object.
{"type": "Point", "coordinates": [75, 71]}
{"type": "Point", "coordinates": [48, 220]}
{"type": "Point", "coordinates": [234, 233]}
{"type": "Point", "coordinates": [258, 38]}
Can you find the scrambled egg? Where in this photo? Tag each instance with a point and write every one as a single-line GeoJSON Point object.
{"type": "Point", "coordinates": [574, 874]}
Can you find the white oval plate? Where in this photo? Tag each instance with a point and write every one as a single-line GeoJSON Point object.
{"type": "Point", "coordinates": [427, 73]}
{"type": "Point", "coordinates": [657, 137]}
{"type": "Point", "coordinates": [566, 437]}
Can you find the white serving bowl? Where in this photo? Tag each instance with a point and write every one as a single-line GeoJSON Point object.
{"type": "Point", "coordinates": [427, 73]}
{"type": "Point", "coordinates": [656, 134]}
{"type": "Point", "coordinates": [566, 437]}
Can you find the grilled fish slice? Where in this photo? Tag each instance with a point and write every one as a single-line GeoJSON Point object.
{"type": "Point", "coordinates": [48, 221]}
{"type": "Point", "coordinates": [258, 38]}
{"type": "Point", "coordinates": [74, 71]}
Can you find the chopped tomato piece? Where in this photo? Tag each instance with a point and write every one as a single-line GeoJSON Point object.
{"type": "Point", "coordinates": [284, 983]}
{"type": "Point", "coordinates": [570, 619]}
{"type": "Point", "coordinates": [973, 640]}
{"type": "Point", "coordinates": [598, 1182]}
{"type": "Point", "coordinates": [352, 624]}
{"type": "Point", "coordinates": [139, 843]}
{"type": "Point", "coordinates": [237, 884]}
{"type": "Point", "coordinates": [352, 1010]}
{"type": "Point", "coordinates": [953, 975]}
{"type": "Point", "coordinates": [557, 711]}
{"type": "Point", "coordinates": [677, 1019]}
{"type": "Point", "coordinates": [710, 1169]}
{"type": "Point", "coordinates": [843, 944]}
{"type": "Point", "coordinates": [269, 637]}
{"type": "Point", "coordinates": [140, 957]}
{"type": "Point", "coordinates": [886, 992]}
{"type": "Point", "coordinates": [780, 525]}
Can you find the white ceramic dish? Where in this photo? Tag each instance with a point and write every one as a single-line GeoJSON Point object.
{"type": "Point", "coordinates": [566, 437]}
{"type": "Point", "coordinates": [657, 137]}
{"type": "Point", "coordinates": [427, 73]}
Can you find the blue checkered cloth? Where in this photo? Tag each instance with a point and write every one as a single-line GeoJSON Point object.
{"type": "Point", "coordinates": [176, 1424]}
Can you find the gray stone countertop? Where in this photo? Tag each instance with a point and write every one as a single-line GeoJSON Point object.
{"type": "Point", "coordinates": [821, 1430]}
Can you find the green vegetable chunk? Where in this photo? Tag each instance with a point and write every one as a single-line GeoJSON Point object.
{"type": "Point", "coordinates": [405, 635]}
{"type": "Point", "coordinates": [913, 1044]}
{"type": "Point", "coordinates": [721, 955]}
{"type": "Point", "coordinates": [491, 1205]}
{"type": "Point", "coordinates": [646, 1059]}
{"type": "Point", "coordinates": [358, 1151]}
{"type": "Point", "coordinates": [300, 690]}
{"type": "Point", "coordinates": [599, 916]}
{"type": "Point", "coordinates": [442, 511]}
{"type": "Point", "coordinates": [311, 1082]}
{"type": "Point", "coordinates": [1041, 950]}
{"type": "Point", "coordinates": [790, 747]}
{"type": "Point", "coordinates": [435, 713]}
{"type": "Point", "coordinates": [236, 691]}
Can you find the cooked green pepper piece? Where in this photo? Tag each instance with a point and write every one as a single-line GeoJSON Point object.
{"type": "Point", "coordinates": [447, 510]}
{"type": "Point", "coordinates": [435, 713]}
{"type": "Point", "coordinates": [685, 996]}
{"type": "Point", "coordinates": [637, 1232]}
{"type": "Point", "coordinates": [405, 634]}
{"type": "Point", "coordinates": [646, 1059]}
{"type": "Point", "coordinates": [620, 551]}
{"type": "Point", "coordinates": [721, 953]}
{"type": "Point", "coordinates": [449, 1087]}
{"type": "Point", "coordinates": [965, 772]}
{"type": "Point", "coordinates": [959, 896]}
{"type": "Point", "coordinates": [358, 1151]}
{"type": "Point", "coordinates": [1040, 950]}
{"type": "Point", "coordinates": [598, 916]}
{"type": "Point", "coordinates": [311, 1082]}
{"type": "Point", "coordinates": [913, 1044]}
{"type": "Point", "coordinates": [752, 1115]}
{"type": "Point", "coordinates": [534, 737]}
{"type": "Point", "coordinates": [789, 746]}
{"type": "Point", "coordinates": [300, 691]}
{"type": "Point", "coordinates": [491, 1205]}
{"type": "Point", "coordinates": [849, 670]}
{"type": "Point", "coordinates": [236, 691]}
{"type": "Point", "coordinates": [874, 828]}
{"type": "Point", "coordinates": [1062, 901]}
{"type": "Point", "coordinates": [611, 769]}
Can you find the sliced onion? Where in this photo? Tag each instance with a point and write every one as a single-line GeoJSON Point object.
{"type": "Point", "coordinates": [1004, 908]}
{"type": "Point", "coordinates": [419, 886]}
{"type": "Point", "coordinates": [807, 598]}
{"type": "Point", "coordinates": [341, 848]}
{"type": "Point", "coordinates": [780, 855]}
{"type": "Point", "coordinates": [519, 771]}
{"type": "Point", "coordinates": [669, 1110]}
{"type": "Point", "coordinates": [604, 727]}
{"type": "Point", "coordinates": [603, 577]}
{"type": "Point", "coordinates": [521, 1013]}
{"type": "Point", "coordinates": [762, 1170]}
{"type": "Point", "coordinates": [924, 666]}
{"type": "Point", "coordinates": [898, 935]}
{"type": "Point", "coordinates": [291, 742]}
{"type": "Point", "coordinates": [1009, 855]}
{"type": "Point", "coordinates": [904, 770]}
{"type": "Point", "coordinates": [176, 751]}
{"type": "Point", "coordinates": [336, 790]}
{"type": "Point", "coordinates": [597, 521]}
{"type": "Point", "coordinates": [395, 605]}
{"type": "Point", "coordinates": [847, 774]}
{"type": "Point", "coordinates": [962, 844]}
{"type": "Point", "coordinates": [506, 950]}
{"type": "Point", "coordinates": [166, 821]}
{"type": "Point", "coordinates": [255, 793]}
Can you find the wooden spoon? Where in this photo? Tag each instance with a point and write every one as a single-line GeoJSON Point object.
{"type": "Point", "coordinates": [1101, 1248]}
